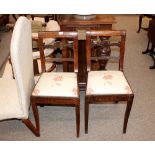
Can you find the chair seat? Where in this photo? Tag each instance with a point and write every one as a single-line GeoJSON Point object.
{"type": "Point", "coordinates": [107, 82]}
{"type": "Point", "coordinates": [59, 84]}
{"type": "Point", "coordinates": [47, 52]}
{"type": "Point", "coordinates": [10, 106]}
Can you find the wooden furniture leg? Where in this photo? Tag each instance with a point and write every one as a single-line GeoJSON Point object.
{"type": "Point", "coordinates": [86, 115]}
{"type": "Point", "coordinates": [127, 113]}
{"type": "Point", "coordinates": [140, 23]}
{"type": "Point", "coordinates": [147, 49]}
{"type": "Point", "coordinates": [77, 120]}
{"type": "Point", "coordinates": [35, 67]}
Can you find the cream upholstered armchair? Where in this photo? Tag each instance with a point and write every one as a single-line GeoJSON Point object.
{"type": "Point", "coordinates": [15, 93]}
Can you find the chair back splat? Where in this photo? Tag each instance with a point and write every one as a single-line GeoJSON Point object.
{"type": "Point", "coordinates": [110, 33]}
{"type": "Point", "coordinates": [64, 44]}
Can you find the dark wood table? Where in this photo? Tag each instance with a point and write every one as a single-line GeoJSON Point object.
{"type": "Point", "coordinates": [70, 23]}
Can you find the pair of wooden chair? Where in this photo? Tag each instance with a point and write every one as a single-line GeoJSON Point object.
{"type": "Point", "coordinates": [61, 88]}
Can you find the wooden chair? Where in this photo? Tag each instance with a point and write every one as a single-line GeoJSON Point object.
{"type": "Point", "coordinates": [151, 42]}
{"type": "Point", "coordinates": [58, 88]}
{"type": "Point", "coordinates": [15, 93]}
{"type": "Point", "coordinates": [107, 85]}
{"type": "Point", "coordinates": [152, 16]}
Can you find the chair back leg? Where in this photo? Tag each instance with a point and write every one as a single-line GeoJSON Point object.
{"type": "Point", "coordinates": [86, 115]}
{"type": "Point", "coordinates": [28, 123]}
{"type": "Point", "coordinates": [77, 120]}
{"type": "Point", "coordinates": [127, 113]}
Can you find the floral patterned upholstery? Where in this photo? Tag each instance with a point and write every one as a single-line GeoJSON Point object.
{"type": "Point", "coordinates": [57, 84]}
{"type": "Point", "coordinates": [107, 82]}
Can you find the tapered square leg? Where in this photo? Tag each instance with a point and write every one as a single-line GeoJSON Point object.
{"type": "Point", "coordinates": [86, 115]}
{"type": "Point", "coordinates": [127, 113]}
{"type": "Point", "coordinates": [78, 120]}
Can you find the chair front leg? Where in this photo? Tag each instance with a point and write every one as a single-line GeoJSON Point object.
{"type": "Point", "coordinates": [86, 114]}
{"type": "Point", "coordinates": [36, 116]}
{"type": "Point", "coordinates": [77, 120]}
{"type": "Point", "coordinates": [127, 113]}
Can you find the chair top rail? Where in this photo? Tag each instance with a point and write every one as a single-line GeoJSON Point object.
{"type": "Point", "coordinates": [57, 34]}
{"type": "Point", "coordinates": [106, 33]}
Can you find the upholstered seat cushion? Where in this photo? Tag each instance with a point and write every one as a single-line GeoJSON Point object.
{"type": "Point", "coordinates": [107, 82]}
{"type": "Point", "coordinates": [9, 104]}
{"type": "Point", "coordinates": [57, 84]}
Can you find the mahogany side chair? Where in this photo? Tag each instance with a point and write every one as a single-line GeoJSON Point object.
{"type": "Point", "coordinates": [15, 93]}
{"type": "Point", "coordinates": [107, 86]}
{"type": "Point", "coordinates": [59, 88]}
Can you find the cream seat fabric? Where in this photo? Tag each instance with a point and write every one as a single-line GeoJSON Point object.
{"type": "Point", "coordinates": [107, 82]}
{"type": "Point", "coordinates": [9, 104]}
{"type": "Point", "coordinates": [57, 84]}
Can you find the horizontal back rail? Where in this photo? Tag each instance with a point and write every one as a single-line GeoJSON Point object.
{"type": "Point", "coordinates": [55, 34]}
{"type": "Point", "coordinates": [106, 33]}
